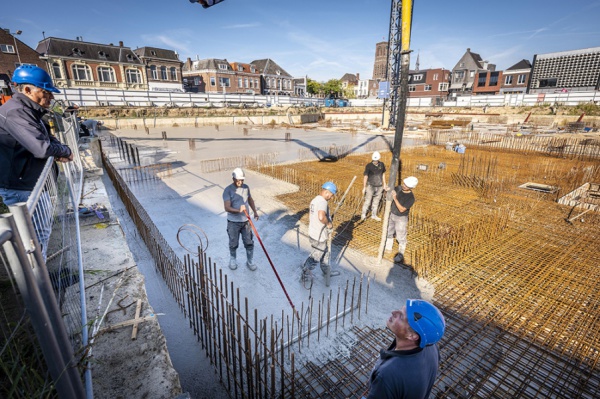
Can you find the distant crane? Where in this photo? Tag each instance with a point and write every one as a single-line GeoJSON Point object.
{"type": "Point", "coordinates": [206, 3]}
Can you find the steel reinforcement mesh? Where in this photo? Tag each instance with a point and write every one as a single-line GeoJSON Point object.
{"type": "Point", "coordinates": [518, 282]}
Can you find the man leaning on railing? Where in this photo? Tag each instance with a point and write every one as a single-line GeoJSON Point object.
{"type": "Point", "coordinates": [25, 142]}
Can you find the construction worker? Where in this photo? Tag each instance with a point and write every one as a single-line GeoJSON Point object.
{"type": "Point", "coordinates": [25, 143]}
{"type": "Point", "coordinates": [373, 186]}
{"type": "Point", "coordinates": [237, 199]}
{"type": "Point", "coordinates": [403, 199]}
{"type": "Point", "coordinates": [408, 368]}
{"type": "Point", "coordinates": [319, 229]}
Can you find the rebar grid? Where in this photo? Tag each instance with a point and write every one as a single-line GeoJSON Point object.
{"type": "Point", "coordinates": [520, 283]}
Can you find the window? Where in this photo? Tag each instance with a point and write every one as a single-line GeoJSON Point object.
{"type": "Point", "coordinates": [129, 57]}
{"type": "Point", "coordinates": [252, 69]}
{"type": "Point", "coordinates": [412, 88]}
{"type": "Point", "coordinates": [81, 72]}
{"type": "Point", "coordinates": [521, 80]}
{"type": "Point", "coordinates": [240, 68]}
{"type": "Point", "coordinates": [102, 55]}
{"type": "Point", "coordinates": [106, 74]}
{"type": "Point", "coordinates": [443, 87]}
{"type": "Point", "coordinates": [224, 82]}
{"type": "Point", "coordinates": [508, 80]}
{"type": "Point", "coordinates": [427, 87]}
{"type": "Point", "coordinates": [462, 64]}
{"type": "Point", "coordinates": [481, 79]}
{"type": "Point", "coordinates": [213, 81]}
{"type": "Point", "coordinates": [246, 82]}
{"type": "Point", "coordinates": [543, 82]}
{"type": "Point", "coordinates": [472, 74]}
{"type": "Point", "coordinates": [240, 82]}
{"type": "Point", "coordinates": [152, 52]}
{"type": "Point", "coordinates": [77, 51]}
{"type": "Point", "coordinates": [56, 70]}
{"type": "Point", "coordinates": [256, 83]}
{"type": "Point", "coordinates": [435, 76]}
{"type": "Point", "coordinates": [133, 76]}
{"type": "Point", "coordinates": [223, 67]}
{"type": "Point", "coordinates": [494, 78]}
{"type": "Point", "coordinates": [7, 48]}
{"type": "Point", "coordinates": [173, 73]}
{"type": "Point", "coordinates": [153, 72]}
{"type": "Point", "coordinates": [459, 75]}
{"type": "Point", "coordinates": [163, 73]}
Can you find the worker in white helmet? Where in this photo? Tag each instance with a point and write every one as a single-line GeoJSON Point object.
{"type": "Point", "coordinates": [403, 199]}
{"type": "Point", "coordinates": [373, 186]}
{"type": "Point", "coordinates": [236, 200]}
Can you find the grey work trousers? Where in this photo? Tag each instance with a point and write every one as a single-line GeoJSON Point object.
{"type": "Point", "coordinates": [317, 255]}
{"type": "Point", "coordinates": [398, 224]}
{"type": "Point", "coordinates": [373, 195]}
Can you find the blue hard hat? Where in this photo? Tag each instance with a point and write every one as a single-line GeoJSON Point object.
{"type": "Point", "coordinates": [426, 320]}
{"type": "Point", "coordinates": [35, 76]}
{"type": "Point", "coordinates": [330, 187]}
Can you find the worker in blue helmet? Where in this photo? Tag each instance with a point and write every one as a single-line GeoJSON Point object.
{"type": "Point", "coordinates": [408, 368]}
{"type": "Point", "coordinates": [319, 229]}
{"type": "Point", "coordinates": [25, 143]}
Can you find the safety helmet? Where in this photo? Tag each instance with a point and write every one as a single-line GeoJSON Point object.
{"type": "Point", "coordinates": [376, 156]}
{"type": "Point", "coordinates": [238, 174]}
{"type": "Point", "coordinates": [34, 75]}
{"type": "Point", "coordinates": [330, 187]}
{"type": "Point", "coordinates": [411, 182]}
{"type": "Point", "coordinates": [426, 320]}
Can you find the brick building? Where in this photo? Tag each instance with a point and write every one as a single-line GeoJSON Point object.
{"type": "Point", "coordinates": [79, 64]}
{"type": "Point", "coordinates": [487, 82]}
{"type": "Point", "coordinates": [210, 75]}
{"type": "Point", "coordinates": [13, 53]}
{"type": "Point", "coordinates": [465, 73]}
{"type": "Point", "coordinates": [516, 78]}
{"type": "Point", "coordinates": [275, 80]}
{"type": "Point", "coordinates": [247, 78]}
{"type": "Point", "coordinates": [429, 83]}
{"type": "Point", "coordinates": [380, 64]}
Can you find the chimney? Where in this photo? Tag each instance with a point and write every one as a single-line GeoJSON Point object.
{"type": "Point", "coordinates": [120, 43]}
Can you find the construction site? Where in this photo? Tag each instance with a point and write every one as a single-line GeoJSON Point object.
{"type": "Point", "coordinates": [503, 239]}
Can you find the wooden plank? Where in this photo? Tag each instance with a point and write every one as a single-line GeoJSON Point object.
{"type": "Point", "coordinates": [138, 309]}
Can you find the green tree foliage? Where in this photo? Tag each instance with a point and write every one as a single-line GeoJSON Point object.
{"type": "Point", "coordinates": [333, 86]}
{"type": "Point", "coordinates": [314, 87]}
{"type": "Point", "coordinates": [349, 91]}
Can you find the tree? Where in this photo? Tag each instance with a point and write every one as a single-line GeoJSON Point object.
{"type": "Point", "coordinates": [350, 91]}
{"type": "Point", "coordinates": [313, 87]}
{"type": "Point", "coordinates": [332, 86]}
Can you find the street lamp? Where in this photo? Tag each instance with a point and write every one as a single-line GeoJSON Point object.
{"type": "Point", "coordinates": [17, 48]}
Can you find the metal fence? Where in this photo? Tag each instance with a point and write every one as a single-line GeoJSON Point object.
{"type": "Point", "coordinates": [42, 258]}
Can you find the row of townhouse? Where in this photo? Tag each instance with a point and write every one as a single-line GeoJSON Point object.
{"type": "Point", "coordinates": [573, 70]}
{"type": "Point", "coordinates": [79, 64]}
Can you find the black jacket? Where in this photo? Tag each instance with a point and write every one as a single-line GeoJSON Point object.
{"type": "Point", "coordinates": [25, 143]}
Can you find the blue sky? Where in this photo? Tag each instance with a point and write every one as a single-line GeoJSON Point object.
{"type": "Point", "coordinates": [320, 38]}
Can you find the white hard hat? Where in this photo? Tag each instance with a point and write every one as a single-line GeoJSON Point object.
{"type": "Point", "coordinates": [376, 156]}
{"type": "Point", "coordinates": [411, 182]}
{"type": "Point", "coordinates": [238, 174]}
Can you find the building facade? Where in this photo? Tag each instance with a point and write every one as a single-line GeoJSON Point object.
{"type": "Point", "coordinates": [163, 68]}
{"type": "Point", "coordinates": [300, 86]}
{"type": "Point", "coordinates": [275, 80]}
{"type": "Point", "coordinates": [78, 64]}
{"type": "Point", "coordinates": [465, 73]}
{"type": "Point", "coordinates": [13, 53]}
{"type": "Point", "coordinates": [432, 83]}
{"type": "Point", "coordinates": [487, 82]}
{"type": "Point", "coordinates": [247, 78]}
{"type": "Point", "coordinates": [515, 79]}
{"type": "Point", "coordinates": [575, 70]}
{"type": "Point", "coordinates": [211, 75]}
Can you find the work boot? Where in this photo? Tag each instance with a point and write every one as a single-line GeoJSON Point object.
{"type": "Point", "coordinates": [306, 275]}
{"type": "Point", "coordinates": [389, 244]}
{"type": "Point", "coordinates": [375, 217]}
{"type": "Point", "coordinates": [232, 263]}
{"type": "Point", "coordinates": [332, 273]}
{"type": "Point", "coordinates": [251, 265]}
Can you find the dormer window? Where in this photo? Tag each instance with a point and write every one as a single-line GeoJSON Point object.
{"type": "Point", "coordinates": [77, 51]}
{"type": "Point", "coordinates": [240, 68]}
{"type": "Point", "coordinates": [223, 67]}
{"type": "Point", "coordinates": [252, 69]}
{"type": "Point", "coordinates": [278, 72]}
{"type": "Point", "coordinates": [152, 52]}
{"type": "Point", "coordinates": [102, 55]}
{"type": "Point", "coordinates": [129, 57]}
